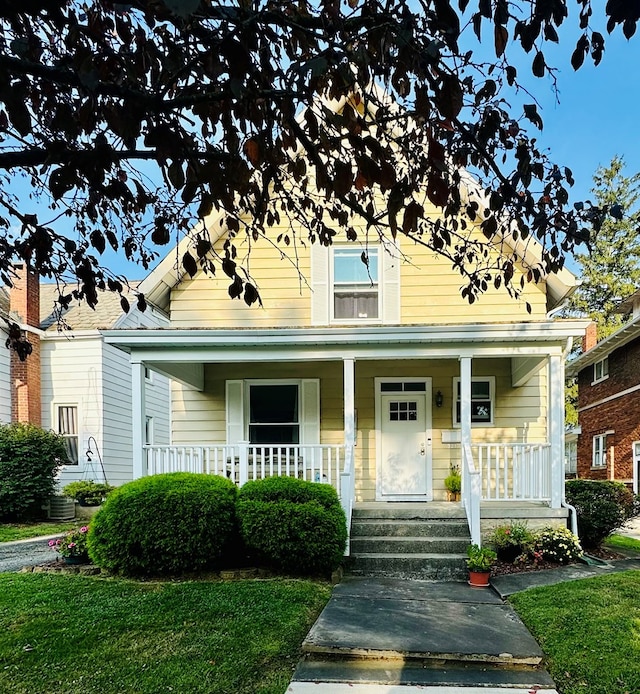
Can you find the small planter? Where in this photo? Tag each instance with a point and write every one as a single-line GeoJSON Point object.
{"type": "Point", "coordinates": [453, 496]}
{"type": "Point", "coordinates": [76, 560]}
{"type": "Point", "coordinates": [479, 579]}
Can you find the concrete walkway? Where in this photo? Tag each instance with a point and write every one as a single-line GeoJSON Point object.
{"type": "Point", "coordinates": [385, 635]}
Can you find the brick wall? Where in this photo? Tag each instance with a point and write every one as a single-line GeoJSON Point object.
{"type": "Point", "coordinates": [24, 300]}
{"type": "Point", "coordinates": [620, 415]}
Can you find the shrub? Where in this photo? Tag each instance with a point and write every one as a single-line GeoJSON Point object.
{"type": "Point", "coordinates": [480, 559]}
{"type": "Point", "coordinates": [558, 544]}
{"type": "Point", "coordinates": [510, 541]}
{"type": "Point", "coordinates": [292, 525]}
{"type": "Point", "coordinates": [453, 481]}
{"type": "Point", "coordinates": [29, 460]}
{"type": "Point", "coordinates": [602, 507]}
{"type": "Point", "coordinates": [87, 493]}
{"type": "Point", "coordinates": [165, 524]}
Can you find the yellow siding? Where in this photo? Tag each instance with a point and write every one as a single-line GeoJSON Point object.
{"type": "Point", "coordinates": [429, 292]}
{"type": "Point", "coordinates": [520, 413]}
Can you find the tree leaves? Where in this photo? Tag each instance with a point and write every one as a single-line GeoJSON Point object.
{"type": "Point", "coordinates": [449, 97]}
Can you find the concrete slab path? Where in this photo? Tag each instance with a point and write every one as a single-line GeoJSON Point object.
{"type": "Point", "coordinates": [20, 553]}
{"type": "Point", "coordinates": [325, 688]}
{"type": "Point", "coordinates": [401, 618]}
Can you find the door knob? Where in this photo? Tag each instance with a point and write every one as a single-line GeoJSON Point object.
{"type": "Point", "coordinates": [422, 450]}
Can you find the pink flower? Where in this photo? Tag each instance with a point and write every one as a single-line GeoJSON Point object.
{"type": "Point", "coordinates": [84, 529]}
{"type": "Point", "coordinates": [72, 544]}
{"type": "Point", "coordinates": [52, 543]}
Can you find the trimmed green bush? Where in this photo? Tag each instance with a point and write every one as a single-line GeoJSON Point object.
{"type": "Point", "coordinates": [602, 507]}
{"type": "Point", "coordinates": [165, 525]}
{"type": "Point", "coordinates": [29, 460]}
{"type": "Point", "coordinates": [293, 526]}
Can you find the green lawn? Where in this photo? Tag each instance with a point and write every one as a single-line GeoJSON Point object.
{"type": "Point", "coordinates": [590, 631]}
{"type": "Point", "coordinates": [24, 531]}
{"type": "Point", "coordinates": [623, 543]}
{"type": "Point", "coordinates": [81, 635]}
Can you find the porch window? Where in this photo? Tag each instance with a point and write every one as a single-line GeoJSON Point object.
{"type": "Point", "coordinates": [599, 459]}
{"type": "Point", "coordinates": [601, 370]}
{"type": "Point", "coordinates": [274, 414]}
{"type": "Point", "coordinates": [67, 427]}
{"type": "Point", "coordinates": [356, 294]}
{"type": "Point", "coordinates": [482, 400]}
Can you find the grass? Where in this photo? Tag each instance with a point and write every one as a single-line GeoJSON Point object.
{"type": "Point", "coordinates": [84, 635]}
{"type": "Point", "coordinates": [24, 531]}
{"type": "Point", "coordinates": [622, 542]}
{"type": "Point", "coordinates": [590, 632]}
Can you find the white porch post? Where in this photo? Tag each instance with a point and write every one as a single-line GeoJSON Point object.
{"type": "Point", "coordinates": [138, 418]}
{"type": "Point", "coordinates": [465, 400]}
{"type": "Point", "coordinates": [555, 428]}
{"type": "Point", "coordinates": [349, 402]}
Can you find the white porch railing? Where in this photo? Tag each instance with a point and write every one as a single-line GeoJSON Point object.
{"type": "Point", "coordinates": [243, 462]}
{"type": "Point", "coordinates": [513, 471]}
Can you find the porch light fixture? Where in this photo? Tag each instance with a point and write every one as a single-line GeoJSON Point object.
{"type": "Point", "coordinates": [439, 399]}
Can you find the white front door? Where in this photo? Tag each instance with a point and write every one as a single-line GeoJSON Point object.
{"type": "Point", "coordinates": [404, 454]}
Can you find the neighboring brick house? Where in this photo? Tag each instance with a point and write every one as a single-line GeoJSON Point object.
{"type": "Point", "coordinates": [608, 374]}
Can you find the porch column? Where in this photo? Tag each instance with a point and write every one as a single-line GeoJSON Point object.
{"type": "Point", "coordinates": [138, 418]}
{"type": "Point", "coordinates": [555, 428]}
{"type": "Point", "coordinates": [465, 400]}
{"type": "Point", "coordinates": [349, 402]}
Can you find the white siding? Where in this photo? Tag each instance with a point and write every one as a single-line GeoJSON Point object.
{"type": "Point", "coordinates": [72, 375]}
{"type": "Point", "coordinates": [5, 381]}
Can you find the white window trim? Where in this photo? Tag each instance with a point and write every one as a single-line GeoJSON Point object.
{"type": "Point", "coordinates": [149, 430]}
{"type": "Point", "coordinates": [248, 382]}
{"type": "Point", "coordinates": [602, 378]}
{"type": "Point", "coordinates": [55, 427]}
{"type": "Point", "coordinates": [603, 465]}
{"type": "Point", "coordinates": [636, 465]}
{"type": "Point", "coordinates": [148, 378]}
{"type": "Point", "coordinates": [492, 397]}
{"type": "Point", "coordinates": [379, 284]}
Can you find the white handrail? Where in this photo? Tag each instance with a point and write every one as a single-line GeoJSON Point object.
{"type": "Point", "coordinates": [347, 491]}
{"type": "Point", "coordinates": [471, 491]}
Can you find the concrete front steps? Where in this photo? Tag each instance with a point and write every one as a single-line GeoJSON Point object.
{"type": "Point", "coordinates": [423, 541]}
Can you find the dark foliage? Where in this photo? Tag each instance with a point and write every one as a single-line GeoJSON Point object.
{"type": "Point", "coordinates": [87, 492]}
{"type": "Point", "coordinates": [29, 460]}
{"type": "Point", "coordinates": [602, 508]}
{"type": "Point", "coordinates": [291, 525]}
{"type": "Point", "coordinates": [165, 524]}
{"type": "Point", "coordinates": [132, 121]}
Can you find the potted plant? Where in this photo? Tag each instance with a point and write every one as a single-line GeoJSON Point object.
{"type": "Point", "coordinates": [87, 492]}
{"type": "Point", "coordinates": [479, 562]}
{"type": "Point", "coordinates": [511, 541]}
{"type": "Point", "coordinates": [73, 546]}
{"type": "Point", "coordinates": [453, 483]}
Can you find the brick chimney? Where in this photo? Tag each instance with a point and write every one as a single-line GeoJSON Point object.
{"type": "Point", "coordinates": [24, 304]}
{"type": "Point", "coordinates": [590, 338]}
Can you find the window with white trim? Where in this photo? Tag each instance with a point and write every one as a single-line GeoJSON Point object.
{"type": "Point", "coordinates": [599, 458]}
{"type": "Point", "coordinates": [67, 427]}
{"type": "Point", "coordinates": [274, 413]}
{"type": "Point", "coordinates": [148, 374]}
{"type": "Point", "coordinates": [355, 284]}
{"type": "Point", "coordinates": [601, 370]}
{"type": "Point", "coordinates": [148, 430]}
{"type": "Point", "coordinates": [482, 400]}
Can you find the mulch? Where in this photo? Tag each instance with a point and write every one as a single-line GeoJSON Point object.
{"type": "Point", "coordinates": [503, 568]}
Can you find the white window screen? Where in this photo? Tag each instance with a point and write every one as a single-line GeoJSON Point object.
{"type": "Point", "coordinates": [355, 285]}
{"type": "Point", "coordinates": [68, 428]}
{"type": "Point", "coordinates": [599, 451]}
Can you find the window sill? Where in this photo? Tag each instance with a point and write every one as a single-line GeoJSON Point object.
{"type": "Point", "coordinates": [600, 380]}
{"type": "Point", "coordinates": [594, 468]}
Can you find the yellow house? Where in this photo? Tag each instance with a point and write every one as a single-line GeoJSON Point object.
{"type": "Point", "coordinates": [376, 381]}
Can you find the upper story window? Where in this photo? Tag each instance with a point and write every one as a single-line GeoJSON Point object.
{"type": "Point", "coordinates": [356, 287]}
{"type": "Point", "coordinates": [599, 458]}
{"type": "Point", "coordinates": [601, 370]}
{"type": "Point", "coordinates": [67, 427]}
{"type": "Point", "coordinates": [482, 400]}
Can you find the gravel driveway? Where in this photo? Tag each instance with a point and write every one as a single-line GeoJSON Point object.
{"type": "Point", "coordinates": [15, 555]}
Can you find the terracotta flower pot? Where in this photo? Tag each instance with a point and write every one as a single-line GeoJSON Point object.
{"type": "Point", "coordinates": [479, 579]}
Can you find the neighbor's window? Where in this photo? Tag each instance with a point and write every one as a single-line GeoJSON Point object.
{"type": "Point", "coordinates": [599, 451]}
{"type": "Point", "coordinates": [356, 290]}
{"type": "Point", "coordinates": [482, 400]}
{"type": "Point", "coordinates": [601, 370]}
{"type": "Point", "coordinates": [148, 431]}
{"type": "Point", "coordinates": [274, 413]}
{"type": "Point", "coordinates": [67, 418]}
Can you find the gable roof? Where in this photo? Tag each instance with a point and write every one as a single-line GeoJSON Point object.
{"type": "Point", "coordinates": [79, 315]}
{"type": "Point", "coordinates": [622, 336]}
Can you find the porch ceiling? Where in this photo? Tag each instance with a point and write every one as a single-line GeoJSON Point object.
{"type": "Point", "coordinates": [518, 340]}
